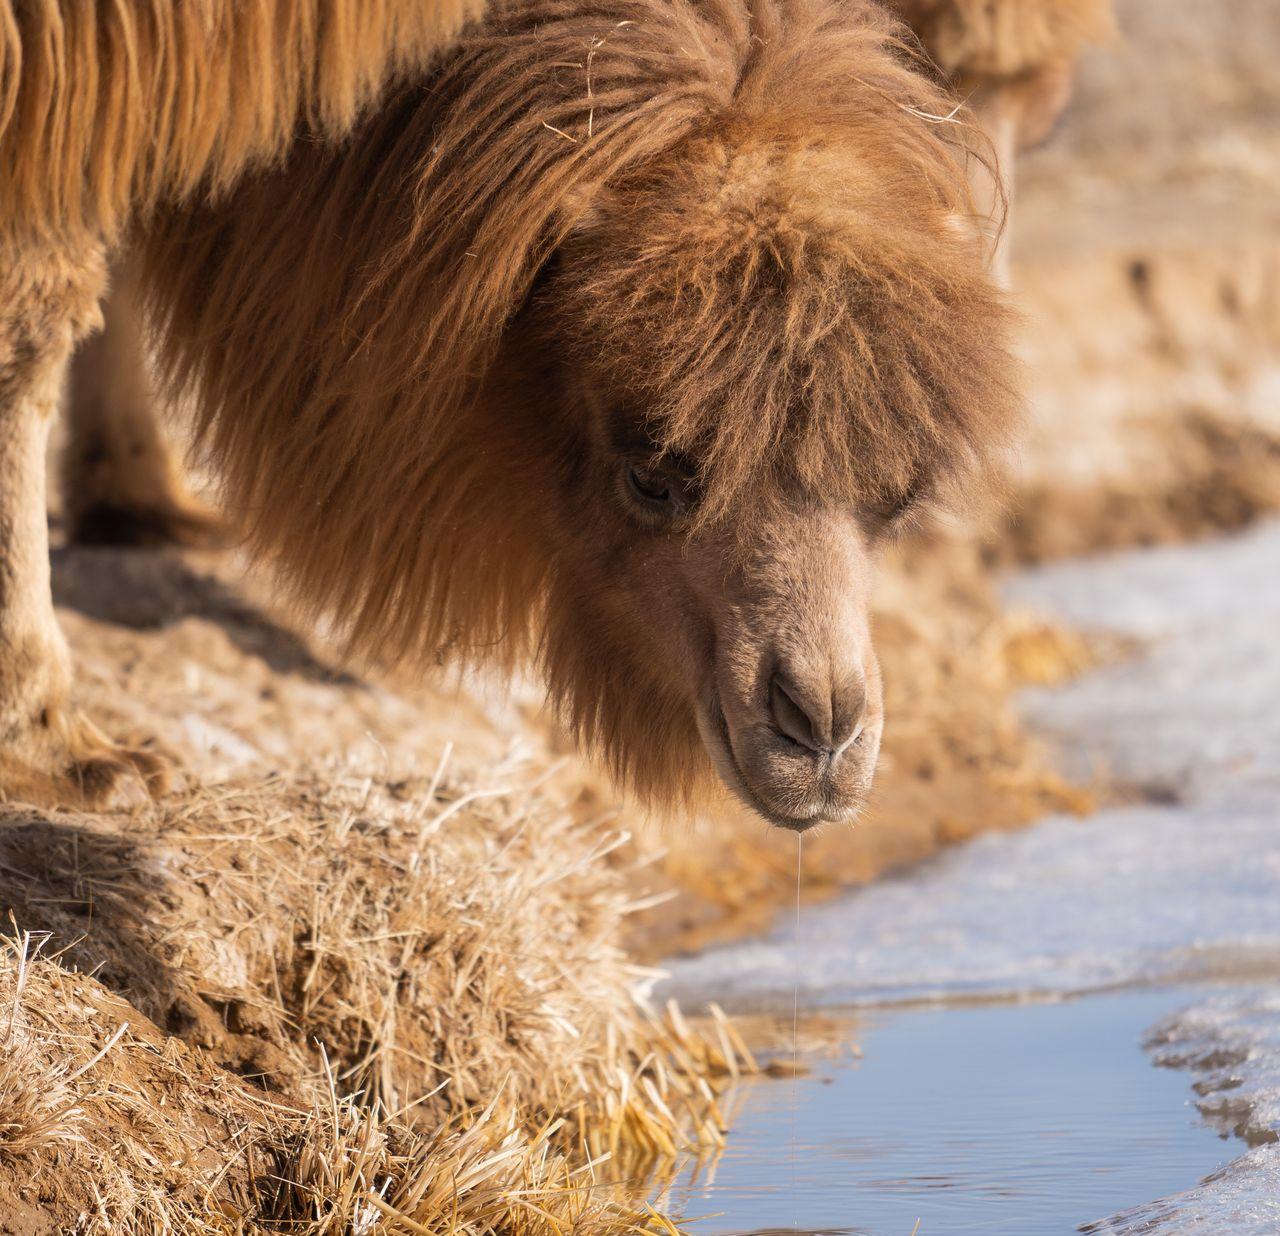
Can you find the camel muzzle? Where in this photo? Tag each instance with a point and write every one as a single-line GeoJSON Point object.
{"type": "Point", "coordinates": [807, 755]}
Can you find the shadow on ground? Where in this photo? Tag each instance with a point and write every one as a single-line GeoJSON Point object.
{"type": "Point", "coordinates": [100, 901]}
{"type": "Point", "coordinates": [153, 589]}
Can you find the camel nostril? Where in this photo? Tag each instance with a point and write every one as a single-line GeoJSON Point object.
{"type": "Point", "coordinates": [828, 721]}
{"type": "Point", "coordinates": [848, 712]}
{"type": "Point", "coordinates": [793, 720]}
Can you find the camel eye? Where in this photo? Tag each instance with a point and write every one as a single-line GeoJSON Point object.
{"type": "Point", "coordinates": [650, 486]}
{"type": "Point", "coordinates": [896, 512]}
{"type": "Point", "coordinates": [659, 490]}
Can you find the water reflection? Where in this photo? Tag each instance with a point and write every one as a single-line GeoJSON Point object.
{"type": "Point", "coordinates": [1018, 1119]}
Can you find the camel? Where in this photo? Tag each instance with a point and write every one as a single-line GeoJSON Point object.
{"type": "Point", "coordinates": [612, 335]}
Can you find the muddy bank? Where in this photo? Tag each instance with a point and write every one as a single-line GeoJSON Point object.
{"type": "Point", "coordinates": [1148, 273]}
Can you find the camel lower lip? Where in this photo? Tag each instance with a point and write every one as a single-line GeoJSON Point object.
{"type": "Point", "coordinates": [716, 726]}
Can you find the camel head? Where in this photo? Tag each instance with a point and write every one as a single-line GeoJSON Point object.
{"type": "Point", "coordinates": [736, 636]}
{"type": "Point", "coordinates": [625, 346]}
{"type": "Point", "coordinates": [759, 355]}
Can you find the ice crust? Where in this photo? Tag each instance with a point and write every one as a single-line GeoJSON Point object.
{"type": "Point", "coordinates": [1232, 1045]}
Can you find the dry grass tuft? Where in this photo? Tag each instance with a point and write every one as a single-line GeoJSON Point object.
{"type": "Point", "coordinates": [336, 1001]}
{"type": "Point", "coordinates": [344, 1169]}
{"type": "Point", "coordinates": [38, 1106]}
{"type": "Point", "coordinates": [125, 1130]}
{"type": "Point", "coordinates": [1040, 654]}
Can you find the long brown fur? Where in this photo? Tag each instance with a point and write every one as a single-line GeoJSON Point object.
{"type": "Point", "coordinates": [753, 207]}
{"type": "Point", "coordinates": [109, 106]}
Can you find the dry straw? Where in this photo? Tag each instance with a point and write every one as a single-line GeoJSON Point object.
{"type": "Point", "coordinates": [393, 1011]}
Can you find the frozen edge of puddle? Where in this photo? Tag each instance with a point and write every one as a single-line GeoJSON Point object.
{"type": "Point", "coordinates": [1060, 909]}
{"type": "Point", "coordinates": [1195, 711]}
{"type": "Point", "coordinates": [1231, 1046]}
{"type": "Point", "coordinates": [1231, 1043]}
{"type": "Point", "coordinates": [1131, 896]}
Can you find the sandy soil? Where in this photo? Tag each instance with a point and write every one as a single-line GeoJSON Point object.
{"type": "Point", "coordinates": [1148, 268]}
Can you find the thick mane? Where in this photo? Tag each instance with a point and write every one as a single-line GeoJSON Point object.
{"type": "Point", "coordinates": [795, 293]}
{"type": "Point", "coordinates": [345, 322]}
{"type": "Point", "coordinates": [837, 365]}
{"type": "Point", "coordinates": [106, 108]}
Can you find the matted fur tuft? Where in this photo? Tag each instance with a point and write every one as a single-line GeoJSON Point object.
{"type": "Point", "coordinates": [107, 107]}
{"type": "Point", "coordinates": [752, 209]}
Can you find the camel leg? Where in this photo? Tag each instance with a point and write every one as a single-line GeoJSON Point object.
{"type": "Point", "coordinates": [120, 482]}
{"type": "Point", "coordinates": [1015, 113]}
{"type": "Point", "coordinates": [49, 754]}
{"type": "Point", "coordinates": [997, 114]}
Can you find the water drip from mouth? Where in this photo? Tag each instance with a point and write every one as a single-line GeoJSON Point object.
{"type": "Point", "coordinates": [795, 1027]}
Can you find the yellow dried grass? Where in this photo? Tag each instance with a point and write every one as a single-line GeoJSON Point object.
{"type": "Point", "coordinates": [418, 977]}
{"type": "Point", "coordinates": [140, 1135]}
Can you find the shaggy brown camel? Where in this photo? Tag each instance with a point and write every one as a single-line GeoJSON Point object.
{"type": "Point", "coordinates": [1012, 61]}
{"type": "Point", "coordinates": [621, 340]}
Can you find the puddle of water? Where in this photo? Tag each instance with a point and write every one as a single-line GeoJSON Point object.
{"type": "Point", "coordinates": [1007, 1118]}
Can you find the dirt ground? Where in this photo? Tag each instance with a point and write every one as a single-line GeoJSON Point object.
{"type": "Point", "coordinates": [1147, 240]}
{"type": "Point", "coordinates": [409, 893]}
